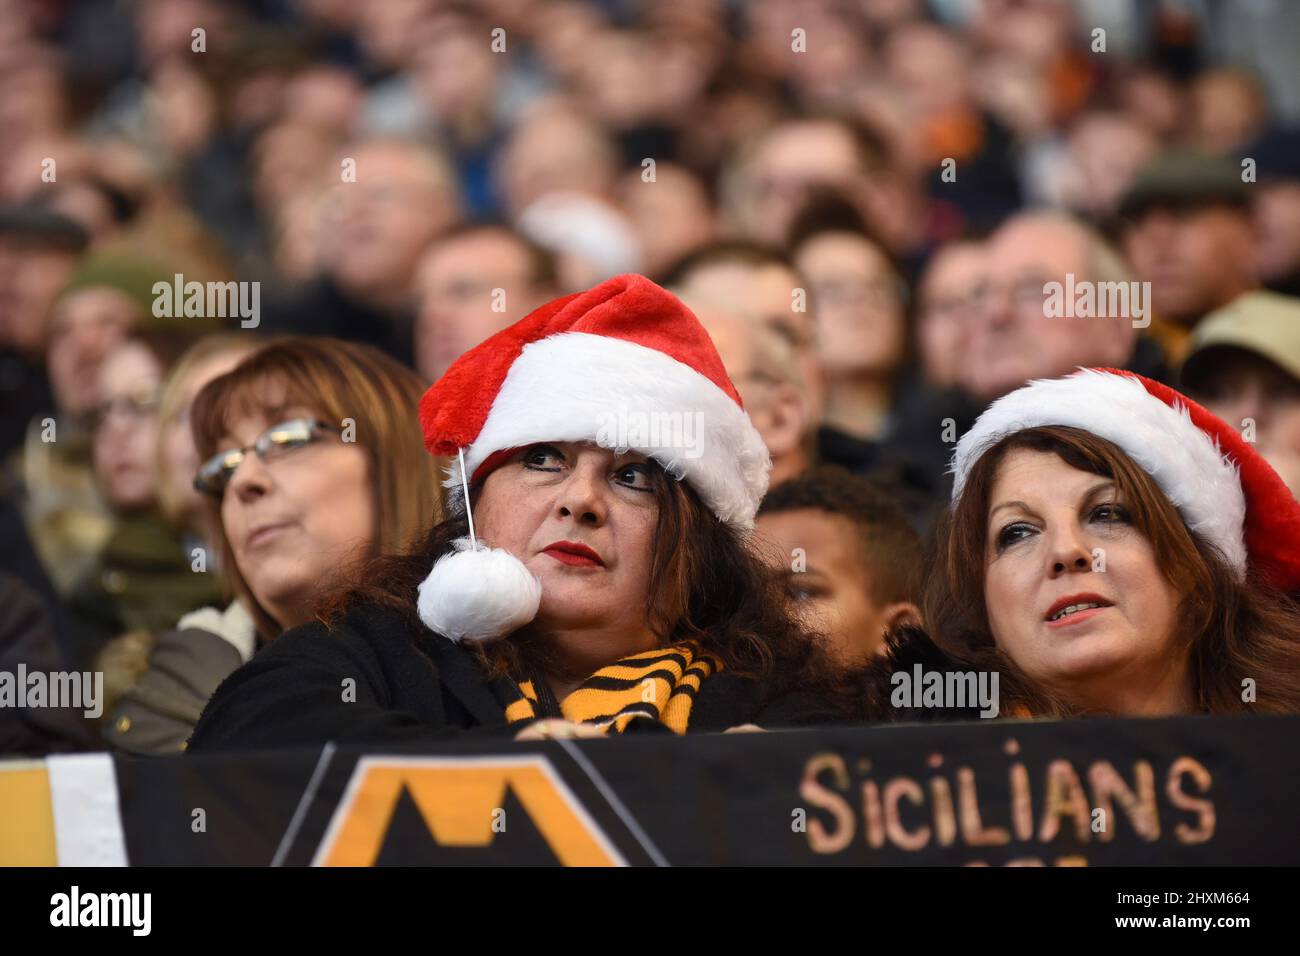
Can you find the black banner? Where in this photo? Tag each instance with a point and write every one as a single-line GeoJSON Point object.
{"type": "Point", "coordinates": [1170, 792]}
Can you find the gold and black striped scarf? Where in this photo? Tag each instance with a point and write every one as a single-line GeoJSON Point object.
{"type": "Point", "coordinates": [660, 685]}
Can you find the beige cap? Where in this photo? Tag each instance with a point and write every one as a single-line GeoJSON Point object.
{"type": "Point", "coordinates": [1265, 323]}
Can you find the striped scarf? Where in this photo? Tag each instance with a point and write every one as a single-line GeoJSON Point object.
{"type": "Point", "coordinates": [660, 685]}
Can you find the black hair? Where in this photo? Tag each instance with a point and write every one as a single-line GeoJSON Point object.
{"type": "Point", "coordinates": [890, 547]}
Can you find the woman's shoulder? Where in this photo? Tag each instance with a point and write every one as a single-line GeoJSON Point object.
{"type": "Point", "coordinates": [366, 632]}
{"type": "Point", "coordinates": [372, 674]}
{"type": "Point", "coordinates": [382, 650]}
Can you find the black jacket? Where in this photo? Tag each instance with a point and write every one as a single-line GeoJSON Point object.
{"type": "Point", "coordinates": [27, 638]}
{"type": "Point", "coordinates": [410, 685]}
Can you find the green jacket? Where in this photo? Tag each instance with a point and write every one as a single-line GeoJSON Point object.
{"type": "Point", "coordinates": [141, 580]}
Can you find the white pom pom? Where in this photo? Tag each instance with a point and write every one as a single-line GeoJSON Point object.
{"type": "Point", "coordinates": [477, 594]}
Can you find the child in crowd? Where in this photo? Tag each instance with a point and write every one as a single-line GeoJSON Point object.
{"type": "Point", "coordinates": [851, 556]}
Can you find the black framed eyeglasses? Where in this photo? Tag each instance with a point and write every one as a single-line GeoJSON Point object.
{"type": "Point", "coordinates": [215, 473]}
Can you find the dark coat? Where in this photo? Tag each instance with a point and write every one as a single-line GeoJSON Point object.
{"type": "Point", "coordinates": [411, 685]}
{"type": "Point", "coordinates": [27, 638]}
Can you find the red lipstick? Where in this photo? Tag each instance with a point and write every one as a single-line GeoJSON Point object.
{"type": "Point", "coordinates": [574, 554]}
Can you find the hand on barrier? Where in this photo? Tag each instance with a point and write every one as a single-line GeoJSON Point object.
{"type": "Point", "coordinates": [553, 729]}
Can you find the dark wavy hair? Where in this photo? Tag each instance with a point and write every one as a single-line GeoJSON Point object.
{"type": "Point", "coordinates": [707, 589]}
{"type": "Point", "coordinates": [1233, 628]}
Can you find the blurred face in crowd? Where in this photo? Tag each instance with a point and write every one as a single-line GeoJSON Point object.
{"type": "Point", "coordinates": [1035, 32]}
{"type": "Point", "coordinates": [1195, 259]}
{"type": "Point", "coordinates": [389, 32]}
{"type": "Point", "coordinates": [402, 198]}
{"type": "Point", "coordinates": [1107, 150]}
{"type": "Point", "coordinates": [163, 29]}
{"type": "Point", "coordinates": [947, 297]}
{"type": "Point", "coordinates": [561, 35]}
{"type": "Point", "coordinates": [1156, 101]}
{"type": "Point", "coordinates": [456, 284]}
{"type": "Point", "coordinates": [1277, 228]}
{"type": "Point", "coordinates": [1011, 338]}
{"type": "Point", "coordinates": [582, 519]}
{"type": "Point", "coordinates": [1228, 111]}
{"type": "Point", "coordinates": [929, 66]}
{"type": "Point", "coordinates": [554, 150]}
{"type": "Point", "coordinates": [762, 367]}
{"type": "Point", "coordinates": [1247, 390]}
{"type": "Point", "coordinates": [284, 163]}
{"type": "Point", "coordinates": [455, 70]}
{"type": "Point", "coordinates": [833, 589]}
{"type": "Point", "coordinates": [86, 326]}
{"type": "Point", "coordinates": [860, 323]}
{"type": "Point", "coordinates": [788, 163]}
{"type": "Point", "coordinates": [324, 97]}
{"type": "Point", "coordinates": [296, 236]}
{"type": "Point", "coordinates": [126, 429]}
{"type": "Point", "coordinates": [614, 78]}
{"type": "Point", "coordinates": [30, 278]}
{"type": "Point", "coordinates": [1104, 640]}
{"type": "Point", "coordinates": [296, 521]}
{"type": "Point", "coordinates": [671, 215]}
{"type": "Point", "coordinates": [832, 76]}
{"type": "Point", "coordinates": [764, 295]}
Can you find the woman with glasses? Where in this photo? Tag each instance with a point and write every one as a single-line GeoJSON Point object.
{"type": "Point", "coordinates": [164, 676]}
{"type": "Point", "coordinates": [310, 466]}
{"type": "Point", "coordinates": [141, 578]}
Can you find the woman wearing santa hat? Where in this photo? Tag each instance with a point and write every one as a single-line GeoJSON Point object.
{"type": "Point", "coordinates": [596, 579]}
{"type": "Point", "coordinates": [1113, 548]}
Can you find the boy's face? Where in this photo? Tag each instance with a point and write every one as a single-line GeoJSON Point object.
{"type": "Point", "coordinates": [1260, 400]}
{"type": "Point", "coordinates": [824, 564]}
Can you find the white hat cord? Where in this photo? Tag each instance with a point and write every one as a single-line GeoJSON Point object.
{"type": "Point", "coordinates": [477, 593]}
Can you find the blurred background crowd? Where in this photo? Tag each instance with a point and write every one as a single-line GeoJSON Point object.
{"type": "Point", "coordinates": [861, 199]}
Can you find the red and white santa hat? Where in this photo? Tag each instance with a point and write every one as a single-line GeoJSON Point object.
{"type": "Point", "coordinates": [625, 365]}
{"type": "Point", "coordinates": [1225, 491]}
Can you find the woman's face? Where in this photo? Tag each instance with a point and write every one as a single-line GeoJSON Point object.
{"type": "Point", "coordinates": [860, 323]}
{"type": "Point", "coordinates": [126, 436]}
{"type": "Point", "coordinates": [1058, 539]}
{"type": "Point", "coordinates": [85, 326]}
{"type": "Point", "coordinates": [549, 504]}
{"type": "Point", "coordinates": [296, 522]}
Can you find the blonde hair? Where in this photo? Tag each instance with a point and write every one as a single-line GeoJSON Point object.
{"type": "Point", "coordinates": [175, 401]}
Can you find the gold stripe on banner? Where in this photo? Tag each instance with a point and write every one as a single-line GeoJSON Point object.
{"type": "Point", "coordinates": [26, 815]}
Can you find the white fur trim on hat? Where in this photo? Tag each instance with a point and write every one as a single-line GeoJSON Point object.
{"type": "Point", "coordinates": [576, 386]}
{"type": "Point", "coordinates": [1185, 462]}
